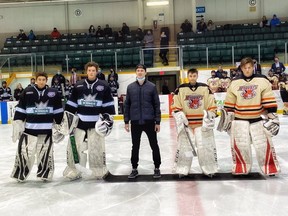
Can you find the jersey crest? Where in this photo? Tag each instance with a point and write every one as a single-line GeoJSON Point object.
{"type": "Point", "coordinates": [248, 92]}
{"type": "Point", "coordinates": [194, 101]}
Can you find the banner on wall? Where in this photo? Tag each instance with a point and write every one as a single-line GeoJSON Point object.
{"type": "Point", "coordinates": [252, 5]}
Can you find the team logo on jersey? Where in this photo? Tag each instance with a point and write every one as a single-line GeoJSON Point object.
{"type": "Point", "coordinates": [41, 108]}
{"type": "Point", "coordinates": [51, 94]}
{"type": "Point", "coordinates": [89, 101]}
{"type": "Point", "coordinates": [248, 92]}
{"type": "Point", "coordinates": [100, 88]}
{"type": "Point", "coordinates": [194, 101]}
{"type": "Point", "coordinates": [30, 92]}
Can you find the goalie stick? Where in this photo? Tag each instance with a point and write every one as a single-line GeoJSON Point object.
{"type": "Point", "coordinates": [72, 122]}
{"type": "Point", "coordinates": [190, 141]}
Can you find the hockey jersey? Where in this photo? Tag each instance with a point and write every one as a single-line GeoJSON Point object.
{"type": "Point", "coordinates": [5, 94]}
{"type": "Point", "coordinates": [213, 83]}
{"type": "Point", "coordinates": [192, 100]}
{"type": "Point", "coordinates": [88, 99]}
{"type": "Point", "coordinates": [249, 98]}
{"type": "Point", "coordinates": [39, 108]}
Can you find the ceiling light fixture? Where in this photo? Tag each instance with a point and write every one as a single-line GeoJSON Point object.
{"type": "Point", "coordinates": [157, 3]}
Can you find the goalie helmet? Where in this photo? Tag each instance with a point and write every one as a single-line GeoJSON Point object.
{"type": "Point", "coordinates": [104, 125]}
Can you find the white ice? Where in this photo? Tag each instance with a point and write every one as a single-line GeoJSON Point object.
{"type": "Point", "coordinates": [92, 198]}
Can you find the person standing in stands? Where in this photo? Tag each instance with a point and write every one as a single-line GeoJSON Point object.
{"type": "Point", "coordinates": [164, 43]}
{"type": "Point", "coordinates": [125, 29]}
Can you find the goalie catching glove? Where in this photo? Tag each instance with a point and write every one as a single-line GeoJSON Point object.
{"type": "Point", "coordinates": [180, 120]}
{"type": "Point", "coordinates": [208, 120]}
{"type": "Point", "coordinates": [271, 124]}
{"type": "Point", "coordinates": [18, 129]}
{"type": "Point", "coordinates": [104, 125]}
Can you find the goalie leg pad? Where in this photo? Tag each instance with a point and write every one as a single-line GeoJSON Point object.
{"type": "Point", "coordinates": [240, 147]}
{"type": "Point", "coordinates": [25, 157]}
{"type": "Point", "coordinates": [265, 152]}
{"type": "Point", "coordinates": [70, 171]}
{"type": "Point", "coordinates": [184, 156]}
{"type": "Point", "coordinates": [45, 157]}
{"type": "Point", "coordinates": [206, 149]}
{"type": "Point", "coordinates": [96, 154]}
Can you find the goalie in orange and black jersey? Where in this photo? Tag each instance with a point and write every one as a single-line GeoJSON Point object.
{"type": "Point", "coordinates": [194, 106]}
{"type": "Point", "coordinates": [251, 98]}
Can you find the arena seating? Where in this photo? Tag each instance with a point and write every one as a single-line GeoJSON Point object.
{"type": "Point", "coordinates": [79, 48]}
{"type": "Point", "coordinates": [244, 38]}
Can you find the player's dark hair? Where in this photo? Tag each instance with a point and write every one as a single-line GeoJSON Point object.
{"type": "Point", "coordinates": [246, 60]}
{"type": "Point", "coordinates": [91, 64]}
{"type": "Point", "coordinates": [192, 71]}
{"type": "Point", "coordinates": [41, 74]}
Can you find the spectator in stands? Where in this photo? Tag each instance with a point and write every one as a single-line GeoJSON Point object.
{"type": "Point", "coordinates": [164, 43]}
{"type": "Point", "coordinates": [149, 39]}
{"type": "Point", "coordinates": [22, 35]}
{"type": "Point", "coordinates": [114, 74]}
{"type": "Point", "coordinates": [201, 26]}
{"type": "Point", "coordinates": [149, 43]}
{"type": "Point", "coordinates": [277, 67]}
{"type": "Point", "coordinates": [100, 75]}
{"type": "Point", "coordinates": [91, 31]}
{"type": "Point", "coordinates": [55, 34]}
{"type": "Point", "coordinates": [61, 79]}
{"type": "Point", "coordinates": [139, 36]}
{"type": "Point", "coordinates": [31, 35]}
{"type": "Point", "coordinates": [125, 29]}
{"type": "Point", "coordinates": [264, 22]}
{"type": "Point", "coordinates": [219, 71]}
{"type": "Point", "coordinates": [99, 32]}
{"type": "Point", "coordinates": [165, 88]}
{"type": "Point", "coordinates": [17, 91]}
{"type": "Point", "coordinates": [211, 26]}
{"type": "Point", "coordinates": [32, 82]}
{"type": "Point", "coordinates": [275, 21]}
{"type": "Point", "coordinates": [119, 36]}
{"type": "Point", "coordinates": [114, 85]}
{"type": "Point", "coordinates": [108, 31]}
{"type": "Point", "coordinates": [74, 77]}
{"type": "Point", "coordinates": [186, 26]}
{"type": "Point", "coordinates": [5, 92]}
{"type": "Point", "coordinates": [257, 67]}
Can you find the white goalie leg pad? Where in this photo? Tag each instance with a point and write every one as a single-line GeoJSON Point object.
{"type": "Point", "coordinates": [265, 152]}
{"type": "Point", "coordinates": [184, 156]}
{"type": "Point", "coordinates": [25, 157]}
{"type": "Point", "coordinates": [240, 147]}
{"type": "Point", "coordinates": [45, 157]}
{"type": "Point", "coordinates": [70, 171]}
{"type": "Point", "coordinates": [206, 150]}
{"type": "Point", "coordinates": [96, 154]}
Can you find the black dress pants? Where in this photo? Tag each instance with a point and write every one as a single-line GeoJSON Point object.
{"type": "Point", "coordinates": [136, 131]}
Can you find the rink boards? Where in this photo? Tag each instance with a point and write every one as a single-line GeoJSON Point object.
{"type": "Point", "coordinates": [7, 109]}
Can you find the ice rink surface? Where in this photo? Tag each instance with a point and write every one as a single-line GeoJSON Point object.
{"type": "Point", "coordinates": [263, 197]}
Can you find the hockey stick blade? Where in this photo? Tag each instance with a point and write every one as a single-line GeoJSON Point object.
{"type": "Point", "coordinates": [190, 141]}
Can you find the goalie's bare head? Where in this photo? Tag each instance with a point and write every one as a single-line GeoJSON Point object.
{"type": "Point", "coordinates": [91, 69]}
{"type": "Point", "coordinates": [247, 66]}
{"type": "Point", "coordinates": [192, 75]}
{"type": "Point", "coordinates": [41, 79]}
